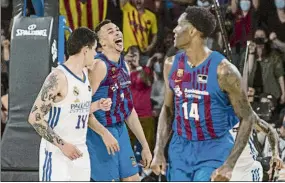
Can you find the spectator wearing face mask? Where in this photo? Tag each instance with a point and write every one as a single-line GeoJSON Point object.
{"type": "Point", "coordinates": [141, 83]}
{"type": "Point", "coordinates": [265, 67]}
{"type": "Point", "coordinates": [245, 19]}
{"type": "Point", "coordinates": [276, 24]}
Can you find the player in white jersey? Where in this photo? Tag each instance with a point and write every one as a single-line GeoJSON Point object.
{"type": "Point", "coordinates": [247, 168]}
{"type": "Point", "coordinates": [61, 111]}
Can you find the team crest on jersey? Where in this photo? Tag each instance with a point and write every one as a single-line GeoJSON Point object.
{"type": "Point", "coordinates": [134, 162]}
{"type": "Point", "coordinates": [201, 78]}
{"type": "Point", "coordinates": [75, 91]}
{"type": "Point", "coordinates": [180, 73]}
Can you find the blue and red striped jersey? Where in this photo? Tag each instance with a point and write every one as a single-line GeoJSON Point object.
{"type": "Point", "coordinates": [115, 85]}
{"type": "Point", "coordinates": [202, 110]}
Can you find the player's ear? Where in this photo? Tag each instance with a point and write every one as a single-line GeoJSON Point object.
{"type": "Point", "coordinates": [193, 31]}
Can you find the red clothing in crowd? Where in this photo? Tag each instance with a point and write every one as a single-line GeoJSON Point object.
{"type": "Point", "coordinates": [242, 28]}
{"type": "Point", "coordinates": [141, 93]}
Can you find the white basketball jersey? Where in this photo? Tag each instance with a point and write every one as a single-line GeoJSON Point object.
{"type": "Point", "coordinates": [69, 117]}
{"type": "Point", "coordinates": [249, 154]}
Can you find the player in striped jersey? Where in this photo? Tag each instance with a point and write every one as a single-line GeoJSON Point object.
{"type": "Point", "coordinates": [111, 79]}
{"type": "Point", "coordinates": [204, 90]}
{"type": "Point", "coordinates": [60, 113]}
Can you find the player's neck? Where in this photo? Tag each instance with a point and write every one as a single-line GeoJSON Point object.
{"type": "Point", "coordinates": [75, 64]}
{"type": "Point", "coordinates": [197, 53]}
{"type": "Point", "coordinates": [112, 55]}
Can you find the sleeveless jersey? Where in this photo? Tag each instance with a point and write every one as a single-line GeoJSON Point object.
{"type": "Point", "coordinates": [115, 85]}
{"type": "Point", "coordinates": [202, 110]}
{"type": "Point", "coordinates": [69, 117]}
{"type": "Point", "coordinates": [249, 154]}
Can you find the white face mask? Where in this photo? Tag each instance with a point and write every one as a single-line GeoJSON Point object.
{"type": "Point", "coordinates": [203, 4]}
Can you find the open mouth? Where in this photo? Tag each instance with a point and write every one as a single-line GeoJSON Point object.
{"type": "Point", "coordinates": [119, 42]}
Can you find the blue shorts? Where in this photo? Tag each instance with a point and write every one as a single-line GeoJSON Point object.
{"type": "Point", "coordinates": [105, 167]}
{"type": "Point", "coordinates": [196, 160]}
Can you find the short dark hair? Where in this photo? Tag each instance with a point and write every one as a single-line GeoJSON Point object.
{"type": "Point", "coordinates": [101, 24]}
{"type": "Point", "coordinates": [133, 49]}
{"type": "Point", "coordinates": [80, 38]}
{"type": "Point", "coordinates": [202, 19]}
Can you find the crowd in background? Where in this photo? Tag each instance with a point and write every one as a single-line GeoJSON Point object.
{"type": "Point", "coordinates": [255, 31]}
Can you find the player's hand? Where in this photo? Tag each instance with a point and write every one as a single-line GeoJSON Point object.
{"type": "Point", "coordinates": [71, 151]}
{"type": "Point", "coordinates": [278, 161]}
{"type": "Point", "coordinates": [158, 164]}
{"type": "Point", "coordinates": [146, 157]}
{"type": "Point", "coordinates": [105, 104]}
{"type": "Point", "coordinates": [222, 174]}
{"type": "Point", "coordinates": [110, 142]}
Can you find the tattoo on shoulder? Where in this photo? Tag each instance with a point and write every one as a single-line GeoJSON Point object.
{"type": "Point", "coordinates": [51, 84]}
{"type": "Point", "coordinates": [228, 76]}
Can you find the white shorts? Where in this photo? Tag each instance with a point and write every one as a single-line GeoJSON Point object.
{"type": "Point", "coordinates": [253, 173]}
{"type": "Point", "coordinates": [55, 166]}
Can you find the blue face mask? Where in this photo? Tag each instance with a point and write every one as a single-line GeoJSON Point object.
{"type": "Point", "coordinates": [157, 67]}
{"type": "Point", "coordinates": [245, 5]}
{"type": "Point", "coordinates": [280, 4]}
{"type": "Point", "coordinates": [203, 4]}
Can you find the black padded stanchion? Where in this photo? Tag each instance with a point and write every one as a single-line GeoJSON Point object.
{"type": "Point", "coordinates": [29, 65]}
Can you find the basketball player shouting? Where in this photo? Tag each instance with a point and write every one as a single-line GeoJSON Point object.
{"type": "Point", "coordinates": [111, 79]}
{"type": "Point", "coordinates": [66, 96]}
{"type": "Point", "coordinates": [205, 91]}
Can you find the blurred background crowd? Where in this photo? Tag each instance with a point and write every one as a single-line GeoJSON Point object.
{"type": "Point", "coordinates": [256, 27]}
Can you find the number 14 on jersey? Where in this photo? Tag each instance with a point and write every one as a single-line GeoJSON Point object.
{"type": "Point", "coordinates": [194, 113]}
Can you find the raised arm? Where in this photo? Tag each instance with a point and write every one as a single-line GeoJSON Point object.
{"type": "Point", "coordinates": [51, 91]}
{"type": "Point", "coordinates": [164, 122]}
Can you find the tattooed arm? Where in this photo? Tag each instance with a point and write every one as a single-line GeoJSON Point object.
{"type": "Point", "coordinates": [229, 80]}
{"type": "Point", "coordinates": [52, 90]}
{"type": "Point", "coordinates": [273, 138]}
{"type": "Point", "coordinates": [164, 122]}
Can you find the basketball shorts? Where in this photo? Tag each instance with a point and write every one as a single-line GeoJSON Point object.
{"type": "Point", "coordinates": [105, 167]}
{"type": "Point", "coordinates": [253, 173]}
{"type": "Point", "coordinates": [196, 160]}
{"type": "Point", "coordinates": [55, 166]}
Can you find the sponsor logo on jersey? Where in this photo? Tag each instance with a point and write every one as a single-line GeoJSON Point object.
{"type": "Point", "coordinates": [177, 91]}
{"type": "Point", "coordinates": [80, 107]}
{"type": "Point", "coordinates": [201, 78]}
{"type": "Point", "coordinates": [75, 91]}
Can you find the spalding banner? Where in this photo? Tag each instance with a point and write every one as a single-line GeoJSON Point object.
{"type": "Point", "coordinates": [31, 27]}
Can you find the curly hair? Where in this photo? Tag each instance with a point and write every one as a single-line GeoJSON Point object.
{"type": "Point", "coordinates": [202, 19]}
